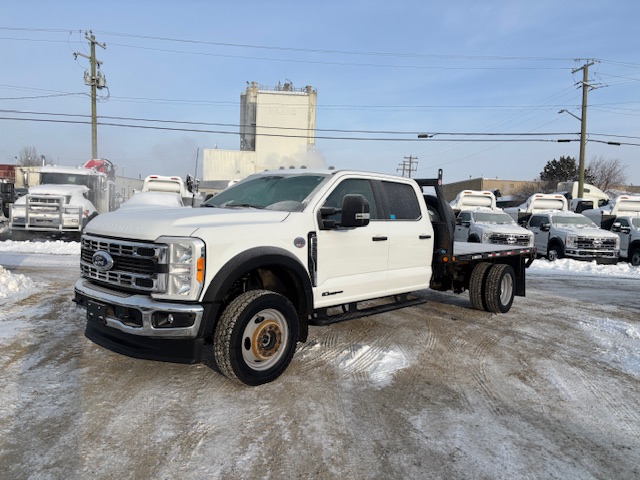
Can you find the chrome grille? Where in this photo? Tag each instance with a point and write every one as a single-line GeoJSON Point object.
{"type": "Point", "coordinates": [506, 239]}
{"type": "Point", "coordinates": [596, 243]}
{"type": "Point", "coordinates": [136, 266]}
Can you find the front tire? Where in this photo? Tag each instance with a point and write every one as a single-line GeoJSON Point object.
{"type": "Point", "coordinates": [256, 336]}
{"type": "Point", "coordinates": [500, 288]}
{"type": "Point", "coordinates": [634, 257]}
{"type": "Point", "coordinates": [555, 252]}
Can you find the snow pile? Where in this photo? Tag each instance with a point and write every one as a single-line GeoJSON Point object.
{"type": "Point", "coordinates": [57, 247]}
{"type": "Point", "coordinates": [11, 284]}
{"type": "Point", "coordinates": [566, 266]}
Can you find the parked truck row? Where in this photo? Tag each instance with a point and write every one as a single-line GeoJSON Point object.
{"type": "Point", "coordinates": [246, 274]}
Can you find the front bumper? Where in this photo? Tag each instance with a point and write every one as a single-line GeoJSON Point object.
{"type": "Point", "coordinates": [600, 256]}
{"type": "Point", "coordinates": [137, 326]}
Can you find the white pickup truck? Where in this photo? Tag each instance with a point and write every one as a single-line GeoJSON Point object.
{"type": "Point", "coordinates": [560, 233]}
{"type": "Point", "coordinates": [250, 271]}
{"type": "Point", "coordinates": [481, 221]}
{"type": "Point", "coordinates": [622, 216]}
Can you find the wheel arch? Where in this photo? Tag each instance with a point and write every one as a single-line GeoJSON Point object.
{"type": "Point", "coordinates": [555, 241]}
{"type": "Point", "coordinates": [279, 270]}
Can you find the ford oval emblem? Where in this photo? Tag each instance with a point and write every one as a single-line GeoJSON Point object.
{"type": "Point", "coordinates": [102, 261]}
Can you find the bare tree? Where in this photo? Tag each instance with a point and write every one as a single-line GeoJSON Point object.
{"type": "Point", "coordinates": [524, 191]}
{"type": "Point", "coordinates": [28, 156]}
{"type": "Point", "coordinates": [606, 173]}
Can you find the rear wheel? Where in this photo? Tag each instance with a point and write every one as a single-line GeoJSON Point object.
{"type": "Point", "coordinates": [256, 336]}
{"type": "Point", "coordinates": [500, 288]}
{"type": "Point", "coordinates": [634, 257]}
{"type": "Point", "coordinates": [477, 285]}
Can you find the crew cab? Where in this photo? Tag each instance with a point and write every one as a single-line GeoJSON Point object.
{"type": "Point", "coordinates": [250, 270]}
{"type": "Point", "coordinates": [559, 234]}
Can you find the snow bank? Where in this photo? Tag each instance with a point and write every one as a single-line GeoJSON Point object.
{"type": "Point", "coordinates": [566, 266]}
{"type": "Point", "coordinates": [57, 247]}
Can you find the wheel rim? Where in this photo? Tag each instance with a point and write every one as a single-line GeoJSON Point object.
{"type": "Point", "coordinates": [553, 255]}
{"type": "Point", "coordinates": [506, 289]}
{"type": "Point", "coordinates": [264, 339]}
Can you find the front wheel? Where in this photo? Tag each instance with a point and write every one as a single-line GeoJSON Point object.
{"type": "Point", "coordinates": [500, 288]}
{"type": "Point", "coordinates": [634, 257]}
{"type": "Point", "coordinates": [256, 336]}
{"type": "Point", "coordinates": [555, 252]}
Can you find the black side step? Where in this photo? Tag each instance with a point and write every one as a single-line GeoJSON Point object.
{"type": "Point", "coordinates": [349, 311]}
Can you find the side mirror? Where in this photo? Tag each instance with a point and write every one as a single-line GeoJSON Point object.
{"type": "Point", "coordinates": [355, 211]}
{"type": "Point", "coordinates": [616, 227]}
{"type": "Point", "coordinates": [545, 227]}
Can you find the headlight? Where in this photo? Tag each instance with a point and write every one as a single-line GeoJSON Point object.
{"type": "Point", "coordinates": [617, 242]}
{"type": "Point", "coordinates": [486, 237]}
{"type": "Point", "coordinates": [571, 241]}
{"type": "Point", "coordinates": [185, 268]}
{"type": "Point", "coordinates": [531, 240]}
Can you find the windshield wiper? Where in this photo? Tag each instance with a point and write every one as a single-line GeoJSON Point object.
{"type": "Point", "coordinates": [241, 205]}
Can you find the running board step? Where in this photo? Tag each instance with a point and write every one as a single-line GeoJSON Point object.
{"type": "Point", "coordinates": [349, 311]}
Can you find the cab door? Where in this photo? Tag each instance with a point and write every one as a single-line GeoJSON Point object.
{"type": "Point", "coordinates": [410, 238]}
{"type": "Point", "coordinates": [351, 263]}
{"type": "Point", "coordinates": [625, 235]}
{"type": "Point", "coordinates": [540, 236]}
{"type": "Point", "coordinates": [463, 224]}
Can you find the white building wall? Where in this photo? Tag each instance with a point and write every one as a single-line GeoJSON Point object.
{"type": "Point", "coordinates": [228, 164]}
{"type": "Point", "coordinates": [277, 129]}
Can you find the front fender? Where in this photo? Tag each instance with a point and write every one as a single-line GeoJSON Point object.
{"type": "Point", "coordinates": [264, 257]}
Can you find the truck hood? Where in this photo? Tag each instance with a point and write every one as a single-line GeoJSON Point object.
{"type": "Point", "coordinates": [585, 232]}
{"type": "Point", "coordinates": [151, 223]}
{"type": "Point", "coordinates": [505, 229]}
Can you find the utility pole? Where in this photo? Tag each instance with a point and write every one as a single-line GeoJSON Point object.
{"type": "Point", "coordinates": [583, 123]}
{"type": "Point", "coordinates": [96, 80]}
{"type": "Point", "coordinates": [408, 166]}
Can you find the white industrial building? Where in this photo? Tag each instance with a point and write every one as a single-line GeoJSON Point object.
{"type": "Point", "coordinates": [277, 130]}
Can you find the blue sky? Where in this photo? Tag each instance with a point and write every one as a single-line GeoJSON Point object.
{"type": "Point", "coordinates": [384, 71]}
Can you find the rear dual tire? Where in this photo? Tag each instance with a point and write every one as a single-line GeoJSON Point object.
{"type": "Point", "coordinates": [492, 287]}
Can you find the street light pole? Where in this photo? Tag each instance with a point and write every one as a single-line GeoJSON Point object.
{"type": "Point", "coordinates": [583, 125]}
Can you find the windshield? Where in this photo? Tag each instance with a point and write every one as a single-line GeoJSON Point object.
{"type": "Point", "coordinates": [573, 222]}
{"type": "Point", "coordinates": [274, 192]}
{"type": "Point", "coordinates": [493, 217]}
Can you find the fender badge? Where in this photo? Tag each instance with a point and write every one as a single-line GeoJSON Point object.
{"type": "Point", "coordinates": [299, 242]}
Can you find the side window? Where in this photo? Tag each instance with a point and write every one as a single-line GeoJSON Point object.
{"type": "Point", "coordinates": [352, 185]}
{"type": "Point", "coordinates": [535, 222]}
{"type": "Point", "coordinates": [466, 216]}
{"type": "Point", "coordinates": [402, 201]}
{"type": "Point", "coordinates": [623, 222]}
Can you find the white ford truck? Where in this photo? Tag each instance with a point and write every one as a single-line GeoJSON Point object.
{"type": "Point", "coordinates": [622, 216]}
{"type": "Point", "coordinates": [250, 270]}
{"type": "Point", "coordinates": [480, 221]}
{"type": "Point", "coordinates": [560, 234]}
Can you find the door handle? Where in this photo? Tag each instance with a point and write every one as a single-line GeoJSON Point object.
{"type": "Point", "coordinates": [424, 237]}
{"type": "Point", "coordinates": [379, 239]}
